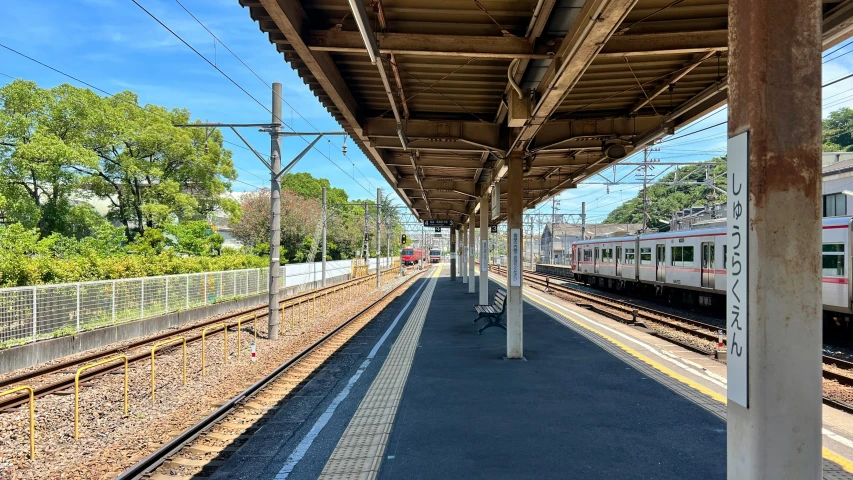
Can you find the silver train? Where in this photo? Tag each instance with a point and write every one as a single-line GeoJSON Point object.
{"type": "Point", "coordinates": [692, 264]}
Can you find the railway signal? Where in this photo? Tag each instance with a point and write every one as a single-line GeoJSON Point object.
{"type": "Point", "coordinates": [403, 239]}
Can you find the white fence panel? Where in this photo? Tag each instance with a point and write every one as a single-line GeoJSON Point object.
{"type": "Point", "coordinates": [44, 311]}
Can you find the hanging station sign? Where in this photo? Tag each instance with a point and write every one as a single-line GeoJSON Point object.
{"type": "Point", "coordinates": [438, 223]}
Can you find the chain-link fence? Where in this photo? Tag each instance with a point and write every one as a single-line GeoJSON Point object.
{"type": "Point", "coordinates": [46, 311]}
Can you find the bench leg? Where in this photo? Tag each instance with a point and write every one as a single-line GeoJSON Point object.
{"type": "Point", "coordinates": [493, 322]}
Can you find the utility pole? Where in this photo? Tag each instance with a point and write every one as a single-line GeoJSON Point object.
{"type": "Point", "coordinates": [554, 210]}
{"type": "Point", "coordinates": [378, 238]}
{"type": "Point", "coordinates": [645, 182]}
{"type": "Point", "coordinates": [365, 245]}
{"type": "Point", "coordinates": [276, 172]}
{"type": "Point", "coordinates": [275, 212]}
{"type": "Point", "coordinates": [325, 219]}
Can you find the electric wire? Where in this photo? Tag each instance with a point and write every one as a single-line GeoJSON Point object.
{"type": "Point", "coordinates": [243, 90]}
{"type": "Point", "coordinates": [267, 84]}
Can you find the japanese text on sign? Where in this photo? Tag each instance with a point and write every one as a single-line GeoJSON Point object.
{"type": "Point", "coordinates": [515, 257]}
{"type": "Point", "coordinates": [484, 256]}
{"type": "Point", "coordinates": [737, 283]}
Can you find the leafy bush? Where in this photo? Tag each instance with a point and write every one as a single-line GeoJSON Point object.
{"type": "Point", "coordinates": [27, 260]}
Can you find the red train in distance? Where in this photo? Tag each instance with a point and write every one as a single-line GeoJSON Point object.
{"type": "Point", "coordinates": [411, 256]}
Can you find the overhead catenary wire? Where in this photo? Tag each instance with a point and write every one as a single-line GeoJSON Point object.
{"type": "Point", "coordinates": [113, 95]}
{"type": "Point", "coordinates": [280, 120]}
{"type": "Point", "coordinates": [267, 84]}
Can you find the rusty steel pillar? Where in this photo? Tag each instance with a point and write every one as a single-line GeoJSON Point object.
{"type": "Point", "coordinates": [774, 240]}
{"type": "Point", "coordinates": [515, 256]}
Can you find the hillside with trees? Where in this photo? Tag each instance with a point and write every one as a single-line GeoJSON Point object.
{"type": "Point", "coordinates": [664, 200]}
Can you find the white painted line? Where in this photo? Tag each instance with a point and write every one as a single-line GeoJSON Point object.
{"type": "Point", "coordinates": [838, 438]}
{"type": "Point", "coordinates": [301, 449]}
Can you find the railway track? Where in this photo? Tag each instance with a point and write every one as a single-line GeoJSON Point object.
{"type": "Point", "coordinates": [230, 321]}
{"type": "Point", "coordinates": [204, 446]}
{"type": "Point", "coordinates": [840, 371]}
{"type": "Point", "coordinates": [622, 310]}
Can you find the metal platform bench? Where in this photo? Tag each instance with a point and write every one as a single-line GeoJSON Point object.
{"type": "Point", "coordinates": [492, 313]}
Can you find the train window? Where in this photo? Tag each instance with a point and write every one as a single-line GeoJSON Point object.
{"type": "Point", "coordinates": [587, 255]}
{"type": "Point", "coordinates": [676, 256]}
{"type": "Point", "coordinates": [834, 205]}
{"type": "Point", "coordinates": [606, 255]}
{"type": "Point", "coordinates": [629, 256]}
{"type": "Point", "coordinates": [833, 259]}
{"type": "Point", "coordinates": [682, 256]}
{"type": "Point", "coordinates": [687, 257]}
{"type": "Point", "coordinates": [645, 256]}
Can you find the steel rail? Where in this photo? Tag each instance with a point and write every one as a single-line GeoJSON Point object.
{"type": "Point", "coordinates": [841, 378]}
{"type": "Point", "coordinates": [153, 461]}
{"type": "Point", "coordinates": [700, 329]}
{"type": "Point", "coordinates": [68, 382]}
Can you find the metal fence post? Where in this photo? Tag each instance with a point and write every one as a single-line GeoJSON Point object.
{"type": "Point", "coordinates": [77, 329]}
{"type": "Point", "coordinates": [35, 308]}
{"type": "Point", "coordinates": [142, 299]}
{"type": "Point", "coordinates": [114, 303]}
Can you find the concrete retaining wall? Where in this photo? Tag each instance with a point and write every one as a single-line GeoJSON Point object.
{"type": "Point", "coordinates": [51, 349]}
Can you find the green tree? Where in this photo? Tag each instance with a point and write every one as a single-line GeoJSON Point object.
{"type": "Point", "coordinates": [664, 200]}
{"type": "Point", "coordinates": [153, 172]}
{"type": "Point", "coordinates": [42, 136]}
{"type": "Point", "coordinates": [194, 237]}
{"type": "Point", "coordinates": [69, 143]}
{"type": "Point", "coordinates": [838, 131]}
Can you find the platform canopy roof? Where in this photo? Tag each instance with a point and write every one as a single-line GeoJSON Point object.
{"type": "Point", "coordinates": [598, 79]}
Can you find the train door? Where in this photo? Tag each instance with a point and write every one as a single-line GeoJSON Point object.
{"type": "Point", "coordinates": [708, 275]}
{"type": "Point", "coordinates": [660, 262]}
{"type": "Point", "coordinates": [618, 260]}
{"type": "Point", "coordinates": [595, 259]}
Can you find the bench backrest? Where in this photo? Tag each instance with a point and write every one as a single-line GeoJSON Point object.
{"type": "Point", "coordinates": [500, 298]}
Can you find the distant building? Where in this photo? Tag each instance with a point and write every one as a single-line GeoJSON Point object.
{"type": "Point", "coordinates": [837, 179]}
{"type": "Point", "coordinates": [694, 218]}
{"type": "Point", "coordinates": [837, 197]}
{"type": "Point", "coordinates": [557, 238]}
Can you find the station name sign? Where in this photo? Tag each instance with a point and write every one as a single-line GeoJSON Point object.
{"type": "Point", "coordinates": [438, 223]}
{"type": "Point", "coordinates": [737, 280]}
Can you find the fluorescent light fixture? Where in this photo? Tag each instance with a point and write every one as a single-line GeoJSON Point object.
{"type": "Point", "coordinates": [403, 140]}
{"type": "Point", "coordinates": [360, 16]}
{"type": "Point", "coordinates": [503, 170]}
{"type": "Point", "coordinates": [847, 192]}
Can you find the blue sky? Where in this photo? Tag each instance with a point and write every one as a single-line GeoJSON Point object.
{"type": "Point", "coordinates": [114, 45]}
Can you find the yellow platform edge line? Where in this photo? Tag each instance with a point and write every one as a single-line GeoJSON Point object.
{"type": "Point", "coordinates": [828, 454]}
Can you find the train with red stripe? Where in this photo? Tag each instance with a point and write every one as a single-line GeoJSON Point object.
{"type": "Point", "coordinates": [434, 255]}
{"type": "Point", "coordinates": [691, 265]}
{"type": "Point", "coordinates": [411, 256]}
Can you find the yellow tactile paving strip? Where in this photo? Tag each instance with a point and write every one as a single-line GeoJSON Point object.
{"type": "Point", "coordinates": [361, 448]}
